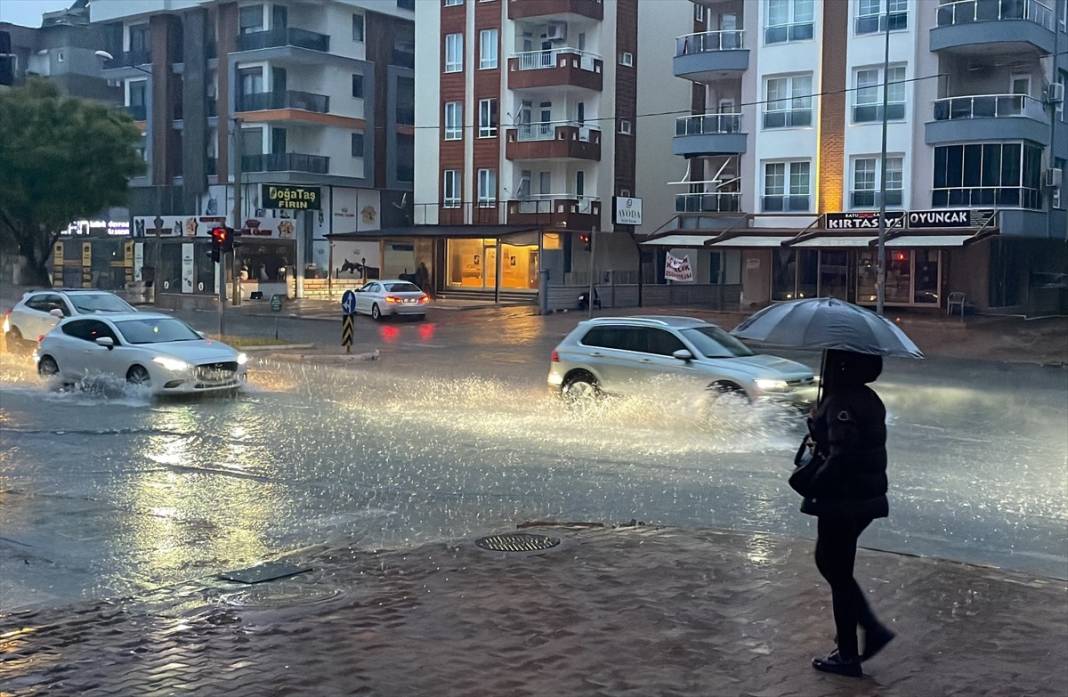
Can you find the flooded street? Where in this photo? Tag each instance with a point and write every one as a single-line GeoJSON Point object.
{"type": "Point", "coordinates": [105, 491]}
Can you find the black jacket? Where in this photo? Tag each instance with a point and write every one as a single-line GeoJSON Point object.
{"type": "Point", "coordinates": [849, 429]}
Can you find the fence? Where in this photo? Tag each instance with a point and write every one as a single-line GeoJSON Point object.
{"type": "Point", "coordinates": [716, 297]}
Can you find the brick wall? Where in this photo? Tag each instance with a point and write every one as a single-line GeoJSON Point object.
{"type": "Point", "coordinates": [832, 106]}
{"type": "Point", "coordinates": [626, 97]}
{"type": "Point", "coordinates": [487, 85]}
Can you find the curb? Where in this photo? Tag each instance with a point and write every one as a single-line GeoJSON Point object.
{"type": "Point", "coordinates": [276, 347]}
{"type": "Point", "coordinates": [329, 358]}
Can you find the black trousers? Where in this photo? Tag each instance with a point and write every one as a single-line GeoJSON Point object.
{"type": "Point", "coordinates": [836, 554]}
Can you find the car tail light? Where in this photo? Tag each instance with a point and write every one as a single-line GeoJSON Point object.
{"type": "Point", "coordinates": [555, 357]}
{"type": "Point", "coordinates": [392, 300]}
{"type": "Point", "coordinates": [40, 338]}
{"type": "Point", "coordinates": [7, 321]}
{"type": "Point", "coordinates": [423, 299]}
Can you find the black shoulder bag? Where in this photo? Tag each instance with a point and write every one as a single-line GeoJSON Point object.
{"type": "Point", "coordinates": [809, 463]}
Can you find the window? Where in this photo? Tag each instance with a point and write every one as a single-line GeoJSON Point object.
{"type": "Point", "coordinates": [487, 49]}
{"type": "Point", "coordinates": [868, 96]}
{"type": "Point", "coordinates": [624, 127]}
{"type": "Point", "coordinates": [137, 93]}
{"type": "Point", "coordinates": [357, 86]}
{"type": "Point", "coordinates": [153, 330]}
{"type": "Point", "coordinates": [872, 16]}
{"type": "Point", "coordinates": [789, 102]}
{"type": "Point", "coordinates": [866, 182]}
{"type": "Point", "coordinates": [1060, 102]}
{"type": "Point", "coordinates": [626, 58]}
{"type": "Point", "coordinates": [487, 188]}
{"type": "Point", "coordinates": [357, 27]}
{"type": "Point", "coordinates": [699, 12]}
{"type": "Point", "coordinates": [454, 129]}
{"type": "Point", "coordinates": [786, 186]}
{"type": "Point", "coordinates": [987, 174]}
{"type": "Point", "coordinates": [1020, 83]}
{"type": "Point", "coordinates": [406, 5]}
{"type": "Point", "coordinates": [450, 188]}
{"type": "Point", "coordinates": [1055, 192]}
{"type": "Point", "coordinates": [454, 53]}
{"type": "Point", "coordinates": [453, 3]}
{"type": "Point", "coordinates": [405, 160]}
{"type": "Point", "coordinates": [487, 118]}
{"type": "Point", "coordinates": [250, 19]}
{"type": "Point", "coordinates": [251, 80]}
{"type": "Point", "coordinates": [357, 144]}
{"type": "Point", "coordinates": [788, 20]}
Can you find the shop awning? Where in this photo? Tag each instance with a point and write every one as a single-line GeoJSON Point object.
{"type": "Point", "coordinates": [679, 241]}
{"type": "Point", "coordinates": [929, 240]}
{"type": "Point", "coordinates": [743, 241]}
{"type": "Point", "coordinates": [835, 241]}
{"type": "Point", "coordinates": [435, 231]}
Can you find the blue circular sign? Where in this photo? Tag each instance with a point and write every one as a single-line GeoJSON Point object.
{"type": "Point", "coordinates": [348, 303]}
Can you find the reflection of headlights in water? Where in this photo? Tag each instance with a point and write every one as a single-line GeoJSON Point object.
{"type": "Point", "coordinates": [173, 364]}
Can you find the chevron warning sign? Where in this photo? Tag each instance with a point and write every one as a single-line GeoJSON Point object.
{"type": "Point", "coordinates": [347, 322]}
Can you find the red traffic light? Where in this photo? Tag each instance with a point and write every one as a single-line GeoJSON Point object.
{"type": "Point", "coordinates": [222, 238]}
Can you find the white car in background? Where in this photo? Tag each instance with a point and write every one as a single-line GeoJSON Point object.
{"type": "Point", "coordinates": [155, 351]}
{"type": "Point", "coordinates": [391, 297]}
{"type": "Point", "coordinates": [40, 310]}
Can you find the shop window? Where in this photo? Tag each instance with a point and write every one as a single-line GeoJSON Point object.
{"type": "Point", "coordinates": [266, 263]}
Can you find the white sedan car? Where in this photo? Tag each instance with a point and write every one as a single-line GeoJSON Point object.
{"type": "Point", "coordinates": [159, 352]}
{"type": "Point", "coordinates": [40, 310]}
{"type": "Point", "coordinates": [391, 297]}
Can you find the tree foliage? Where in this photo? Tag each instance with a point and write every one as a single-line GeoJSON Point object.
{"type": "Point", "coordinates": [61, 159]}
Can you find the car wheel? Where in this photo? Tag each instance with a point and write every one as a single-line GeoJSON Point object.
{"type": "Point", "coordinates": [728, 391]}
{"type": "Point", "coordinates": [376, 314]}
{"type": "Point", "coordinates": [581, 387]}
{"type": "Point", "coordinates": [47, 367]}
{"type": "Point", "coordinates": [137, 375]}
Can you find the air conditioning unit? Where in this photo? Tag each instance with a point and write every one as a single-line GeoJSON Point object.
{"type": "Point", "coordinates": [557, 31]}
{"type": "Point", "coordinates": [1055, 93]}
{"type": "Point", "coordinates": [1052, 177]}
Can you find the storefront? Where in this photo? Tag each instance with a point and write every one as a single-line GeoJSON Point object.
{"type": "Point", "coordinates": [94, 254]}
{"type": "Point", "coordinates": [473, 264]}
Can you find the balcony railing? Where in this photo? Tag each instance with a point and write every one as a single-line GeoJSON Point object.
{"type": "Point", "coordinates": [1000, 196]}
{"type": "Point", "coordinates": [290, 36]}
{"type": "Point", "coordinates": [548, 60]}
{"type": "Point", "coordinates": [785, 202]}
{"type": "Point", "coordinates": [797, 31]}
{"type": "Point", "coordinates": [866, 113]}
{"type": "Point", "coordinates": [703, 42]}
{"type": "Point", "coordinates": [788, 118]}
{"type": "Point", "coordinates": [286, 162]}
{"type": "Point", "coordinates": [547, 130]}
{"type": "Point", "coordinates": [129, 58]}
{"type": "Point", "coordinates": [544, 204]}
{"type": "Point", "coordinates": [290, 99]}
{"type": "Point", "coordinates": [709, 202]}
{"type": "Point", "coordinates": [989, 106]}
{"type": "Point", "coordinates": [708, 124]}
{"type": "Point", "coordinates": [137, 112]}
{"type": "Point", "coordinates": [970, 11]}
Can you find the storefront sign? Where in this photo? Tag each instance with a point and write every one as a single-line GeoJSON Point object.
{"type": "Point", "coordinates": [953, 217]}
{"type": "Point", "coordinates": [300, 198]}
{"type": "Point", "coordinates": [869, 220]}
{"type": "Point", "coordinates": [98, 228]}
{"type": "Point", "coordinates": [862, 220]}
{"type": "Point", "coordinates": [628, 210]}
{"type": "Point", "coordinates": [678, 268]}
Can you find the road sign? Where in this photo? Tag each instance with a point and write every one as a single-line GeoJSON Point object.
{"type": "Point", "coordinates": [348, 303]}
{"type": "Point", "coordinates": [276, 303]}
{"type": "Point", "coordinates": [346, 332]}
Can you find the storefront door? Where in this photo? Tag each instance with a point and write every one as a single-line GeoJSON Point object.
{"type": "Point", "coordinates": [490, 255]}
{"type": "Point", "coordinates": [834, 273]}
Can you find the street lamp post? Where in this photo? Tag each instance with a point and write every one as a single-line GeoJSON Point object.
{"type": "Point", "coordinates": [880, 278]}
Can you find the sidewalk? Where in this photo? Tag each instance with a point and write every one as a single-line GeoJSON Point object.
{"type": "Point", "coordinates": [626, 611]}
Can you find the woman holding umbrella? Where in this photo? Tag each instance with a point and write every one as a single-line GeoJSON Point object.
{"type": "Point", "coordinates": [841, 466]}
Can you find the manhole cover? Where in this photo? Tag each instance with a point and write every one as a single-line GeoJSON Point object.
{"type": "Point", "coordinates": [516, 542]}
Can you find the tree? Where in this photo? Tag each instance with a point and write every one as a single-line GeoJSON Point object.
{"type": "Point", "coordinates": [61, 159]}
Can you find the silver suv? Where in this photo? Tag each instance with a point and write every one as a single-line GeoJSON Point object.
{"type": "Point", "coordinates": [616, 355]}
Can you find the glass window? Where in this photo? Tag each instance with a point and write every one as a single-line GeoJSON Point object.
{"type": "Point", "coordinates": [775, 179]}
{"type": "Point", "coordinates": [404, 287]}
{"type": "Point", "coordinates": [451, 3]}
{"type": "Point", "coordinates": [788, 20]}
{"type": "Point", "coordinates": [605, 337]}
{"type": "Point", "coordinates": [91, 330]}
{"type": "Point", "coordinates": [487, 187]}
{"type": "Point", "coordinates": [864, 183]}
{"type": "Point", "coordinates": [659, 342]}
{"type": "Point", "coordinates": [450, 188]}
{"type": "Point", "coordinates": [789, 101]}
{"type": "Point", "coordinates": [453, 121]}
{"type": "Point", "coordinates": [787, 186]}
{"type": "Point", "coordinates": [88, 303]}
{"type": "Point", "coordinates": [487, 118]}
{"type": "Point", "coordinates": [713, 342]}
{"type": "Point", "coordinates": [357, 86]}
{"type": "Point", "coordinates": [1002, 174]}
{"type": "Point", "coordinates": [250, 19]}
{"type": "Point", "coordinates": [357, 144]}
{"type": "Point", "coordinates": [357, 27]}
{"type": "Point", "coordinates": [487, 49]}
{"type": "Point", "coordinates": [868, 95]}
{"type": "Point", "coordinates": [872, 16]}
{"type": "Point", "coordinates": [138, 92]}
{"type": "Point", "coordinates": [156, 330]}
{"type": "Point", "coordinates": [783, 273]}
{"type": "Point", "coordinates": [454, 53]}
{"type": "Point", "coordinates": [251, 80]}
{"type": "Point", "coordinates": [926, 288]}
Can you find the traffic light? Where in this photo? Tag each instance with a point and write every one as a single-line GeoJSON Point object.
{"type": "Point", "coordinates": [585, 239]}
{"type": "Point", "coordinates": [222, 241]}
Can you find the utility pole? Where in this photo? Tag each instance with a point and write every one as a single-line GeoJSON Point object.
{"type": "Point", "coordinates": [593, 248]}
{"type": "Point", "coordinates": [880, 278]}
{"type": "Point", "coordinates": [238, 222]}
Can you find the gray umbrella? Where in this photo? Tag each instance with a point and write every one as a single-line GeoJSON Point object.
{"type": "Point", "coordinates": [827, 323]}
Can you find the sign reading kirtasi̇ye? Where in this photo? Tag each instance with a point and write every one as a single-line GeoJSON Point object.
{"type": "Point", "coordinates": [936, 218]}
{"type": "Point", "coordinates": [300, 198]}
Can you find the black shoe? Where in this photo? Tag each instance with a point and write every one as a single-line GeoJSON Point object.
{"type": "Point", "coordinates": [875, 641]}
{"type": "Point", "coordinates": [834, 663]}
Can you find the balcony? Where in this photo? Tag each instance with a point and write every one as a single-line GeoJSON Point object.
{"type": "Point", "coordinates": [547, 141]}
{"type": "Point", "coordinates": [137, 112]}
{"type": "Point", "coordinates": [708, 134]}
{"type": "Point", "coordinates": [561, 68]}
{"type": "Point", "coordinates": [711, 55]}
{"type": "Point", "coordinates": [285, 162]}
{"type": "Point", "coordinates": [709, 202]}
{"type": "Point", "coordinates": [290, 99]}
{"type": "Point", "coordinates": [988, 117]}
{"type": "Point", "coordinates": [129, 58]}
{"type": "Point", "coordinates": [1009, 26]}
{"type": "Point", "coordinates": [522, 9]}
{"type": "Point", "coordinates": [563, 211]}
{"type": "Point", "coordinates": [273, 38]}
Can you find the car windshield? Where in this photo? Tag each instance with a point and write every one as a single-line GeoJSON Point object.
{"type": "Point", "coordinates": [713, 342]}
{"type": "Point", "coordinates": [156, 331]}
{"type": "Point", "coordinates": [402, 287]}
{"type": "Point", "coordinates": [88, 303]}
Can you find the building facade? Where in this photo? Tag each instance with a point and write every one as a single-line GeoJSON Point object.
{"type": "Point", "coordinates": [531, 131]}
{"type": "Point", "coordinates": [783, 151]}
{"type": "Point", "coordinates": [307, 108]}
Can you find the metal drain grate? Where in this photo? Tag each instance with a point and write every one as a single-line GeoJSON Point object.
{"type": "Point", "coordinates": [516, 542]}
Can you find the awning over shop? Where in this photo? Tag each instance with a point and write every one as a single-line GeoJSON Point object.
{"type": "Point", "coordinates": [679, 241]}
{"type": "Point", "coordinates": [929, 240]}
{"type": "Point", "coordinates": [435, 231]}
{"type": "Point", "coordinates": [835, 241]}
{"type": "Point", "coordinates": [744, 241]}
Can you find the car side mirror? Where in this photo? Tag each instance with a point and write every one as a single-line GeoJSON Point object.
{"type": "Point", "coordinates": [682, 355]}
{"type": "Point", "coordinates": [105, 341]}
{"type": "Point", "coordinates": [56, 312]}
{"type": "Point", "coordinates": [201, 334]}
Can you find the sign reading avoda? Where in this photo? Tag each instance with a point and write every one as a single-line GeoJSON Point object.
{"type": "Point", "coordinates": [299, 198]}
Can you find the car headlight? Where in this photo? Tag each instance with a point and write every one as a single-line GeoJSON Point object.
{"type": "Point", "coordinates": [173, 364]}
{"type": "Point", "coordinates": [242, 358]}
{"type": "Point", "coordinates": [766, 385]}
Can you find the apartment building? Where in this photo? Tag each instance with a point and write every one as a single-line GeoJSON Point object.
{"type": "Point", "coordinates": [784, 146]}
{"type": "Point", "coordinates": [541, 123]}
{"type": "Point", "coordinates": [308, 107]}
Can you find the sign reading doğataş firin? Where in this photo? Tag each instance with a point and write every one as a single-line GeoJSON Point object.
{"type": "Point", "coordinates": [299, 198]}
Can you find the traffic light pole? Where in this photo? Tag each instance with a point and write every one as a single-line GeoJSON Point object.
{"type": "Point", "coordinates": [238, 173]}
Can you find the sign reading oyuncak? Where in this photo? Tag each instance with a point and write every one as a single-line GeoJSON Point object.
{"type": "Point", "coordinates": [678, 268]}
{"type": "Point", "coordinates": [300, 198]}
